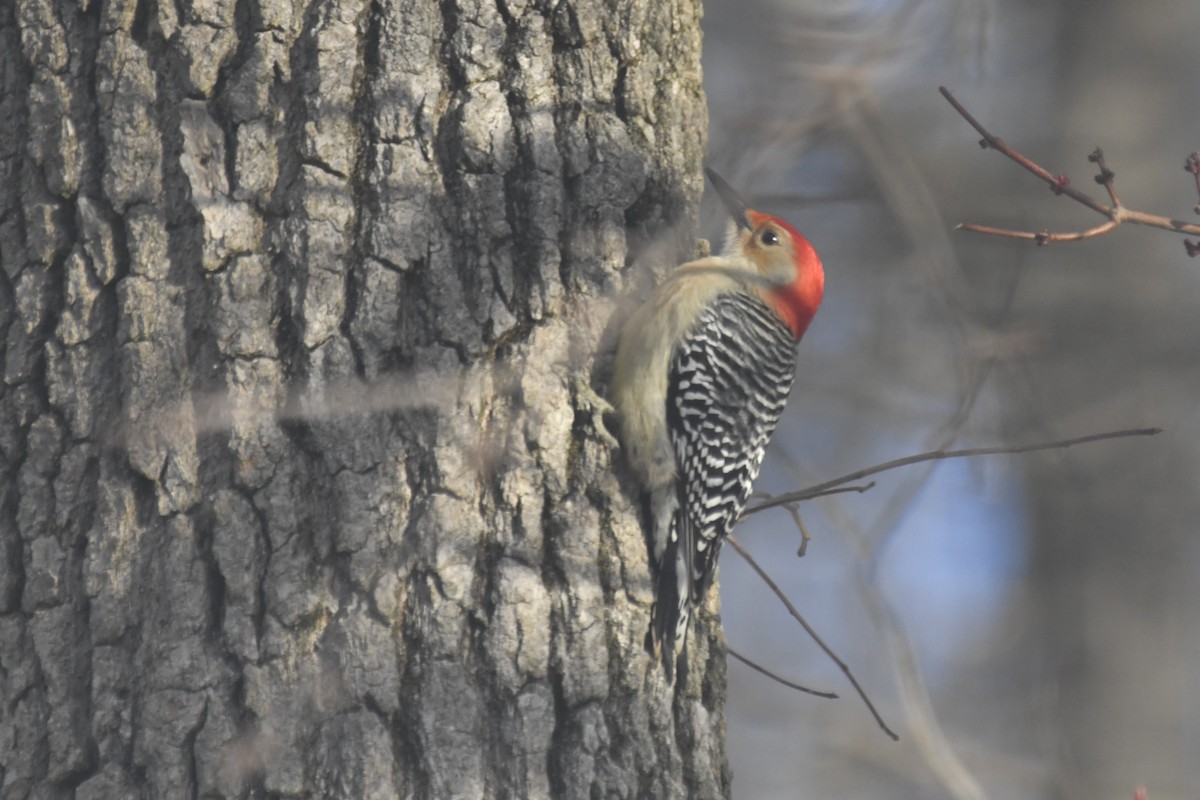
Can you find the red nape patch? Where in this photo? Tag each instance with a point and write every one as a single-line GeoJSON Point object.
{"type": "Point", "coordinates": [797, 304]}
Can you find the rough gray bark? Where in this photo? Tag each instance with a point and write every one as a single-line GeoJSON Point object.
{"type": "Point", "coordinates": [301, 489]}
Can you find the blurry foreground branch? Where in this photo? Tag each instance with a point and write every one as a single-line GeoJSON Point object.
{"type": "Point", "coordinates": [1061, 184]}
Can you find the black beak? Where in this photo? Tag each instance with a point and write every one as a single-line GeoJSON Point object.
{"type": "Point", "coordinates": [734, 204]}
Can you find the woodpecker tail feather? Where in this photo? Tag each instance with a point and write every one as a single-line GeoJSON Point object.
{"type": "Point", "coordinates": [672, 607]}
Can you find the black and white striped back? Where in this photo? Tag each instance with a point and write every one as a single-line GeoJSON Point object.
{"type": "Point", "coordinates": [727, 386]}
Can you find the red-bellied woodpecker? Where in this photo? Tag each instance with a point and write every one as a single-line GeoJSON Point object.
{"type": "Point", "coordinates": [702, 373]}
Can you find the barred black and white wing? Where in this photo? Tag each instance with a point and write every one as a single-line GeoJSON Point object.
{"type": "Point", "coordinates": [728, 384]}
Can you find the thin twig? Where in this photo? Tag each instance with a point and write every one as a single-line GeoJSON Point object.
{"type": "Point", "coordinates": [1038, 237]}
{"type": "Point", "coordinates": [764, 671]}
{"type": "Point", "coordinates": [792, 509]}
{"type": "Point", "coordinates": [1061, 184]}
{"type": "Point", "coordinates": [938, 455]}
{"type": "Point", "coordinates": [805, 536]}
{"type": "Point", "coordinates": [856, 489]}
{"type": "Point", "coordinates": [1106, 175]}
{"type": "Point", "coordinates": [812, 633]}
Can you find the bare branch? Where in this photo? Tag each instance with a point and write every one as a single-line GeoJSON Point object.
{"type": "Point", "coordinates": [856, 489]}
{"type": "Point", "coordinates": [763, 670]}
{"type": "Point", "coordinates": [783, 598]}
{"type": "Point", "coordinates": [1061, 184]}
{"type": "Point", "coordinates": [1106, 175]}
{"type": "Point", "coordinates": [938, 455]}
{"type": "Point", "coordinates": [792, 509]}
{"type": "Point", "coordinates": [1038, 237]}
{"type": "Point", "coordinates": [805, 536]}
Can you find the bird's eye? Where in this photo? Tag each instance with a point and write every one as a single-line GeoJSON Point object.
{"type": "Point", "coordinates": [769, 238]}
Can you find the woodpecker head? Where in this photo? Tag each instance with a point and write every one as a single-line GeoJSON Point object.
{"type": "Point", "coordinates": [792, 279]}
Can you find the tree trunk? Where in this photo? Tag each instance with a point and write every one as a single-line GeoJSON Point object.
{"type": "Point", "coordinates": [301, 489]}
